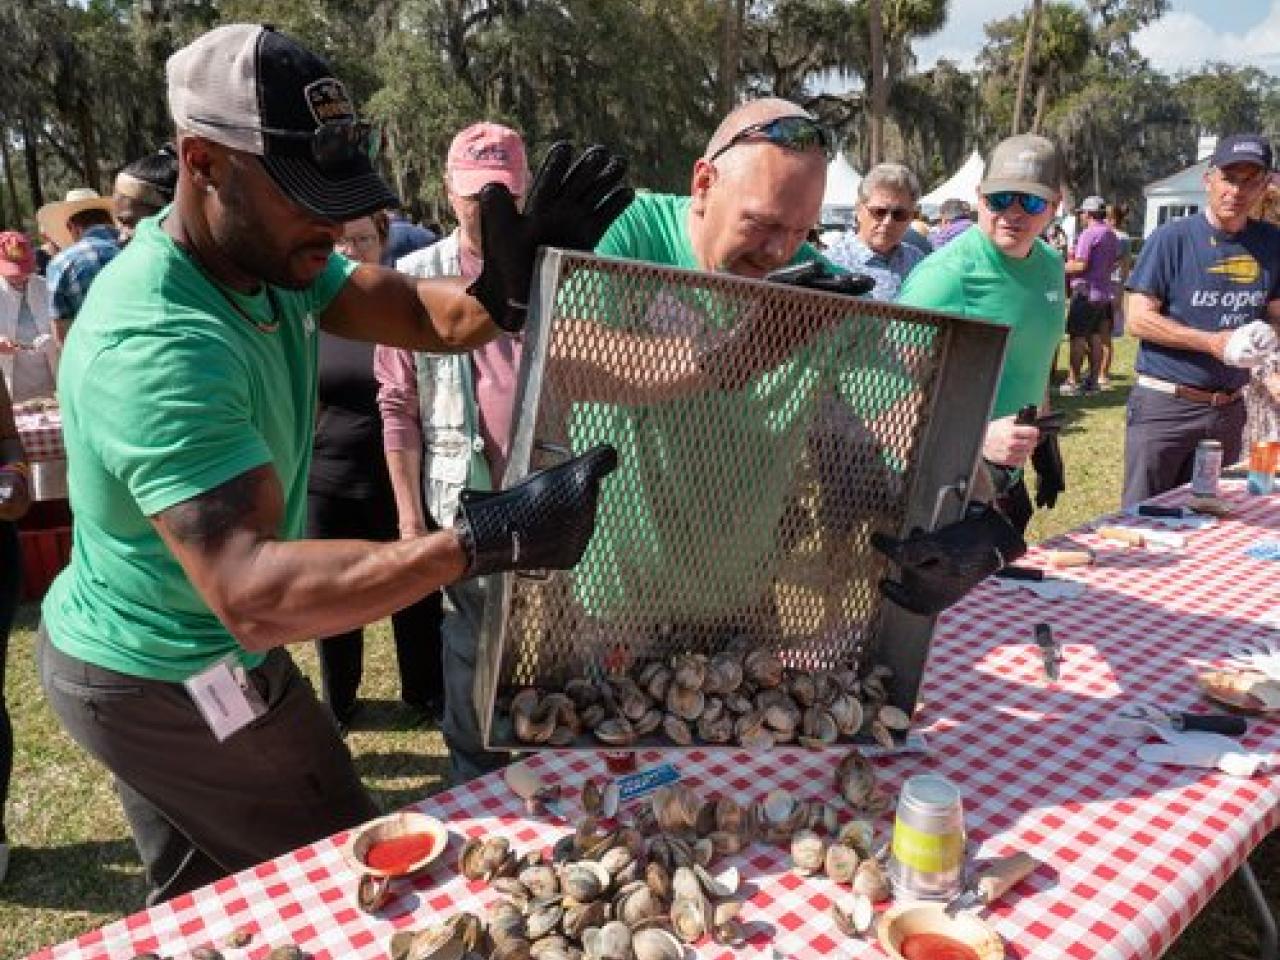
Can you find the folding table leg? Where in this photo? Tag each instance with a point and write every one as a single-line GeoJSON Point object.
{"type": "Point", "coordinates": [1262, 911]}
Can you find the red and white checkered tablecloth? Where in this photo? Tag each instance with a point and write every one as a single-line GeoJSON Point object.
{"type": "Point", "coordinates": [1131, 852]}
{"type": "Point", "coordinates": [41, 435]}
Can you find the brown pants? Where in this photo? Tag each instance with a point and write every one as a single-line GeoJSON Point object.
{"type": "Point", "coordinates": [200, 809]}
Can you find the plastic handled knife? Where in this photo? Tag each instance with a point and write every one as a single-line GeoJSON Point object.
{"type": "Point", "coordinates": [1014, 572]}
{"type": "Point", "coordinates": [1183, 721]}
{"type": "Point", "coordinates": [992, 880]}
{"type": "Point", "coordinates": [1175, 513]}
{"type": "Point", "coordinates": [1049, 651]}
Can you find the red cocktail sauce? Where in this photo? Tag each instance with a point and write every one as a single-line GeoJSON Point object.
{"type": "Point", "coordinates": [398, 854]}
{"type": "Point", "coordinates": [934, 946]}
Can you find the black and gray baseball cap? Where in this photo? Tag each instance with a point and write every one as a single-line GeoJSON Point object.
{"type": "Point", "coordinates": [254, 89]}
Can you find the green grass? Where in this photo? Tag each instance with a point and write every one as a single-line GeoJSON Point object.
{"type": "Point", "coordinates": [74, 867]}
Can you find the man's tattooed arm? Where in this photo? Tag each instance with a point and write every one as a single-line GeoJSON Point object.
{"type": "Point", "coordinates": [268, 591]}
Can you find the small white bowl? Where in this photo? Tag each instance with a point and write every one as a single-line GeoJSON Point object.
{"type": "Point", "coordinates": [389, 827]}
{"type": "Point", "coordinates": [898, 923]}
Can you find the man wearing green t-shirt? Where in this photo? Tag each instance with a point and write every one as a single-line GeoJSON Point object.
{"type": "Point", "coordinates": [754, 195]}
{"type": "Point", "coordinates": [188, 391]}
{"type": "Point", "coordinates": [1004, 273]}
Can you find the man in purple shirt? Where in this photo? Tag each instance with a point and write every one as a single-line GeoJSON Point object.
{"type": "Point", "coordinates": [954, 217]}
{"type": "Point", "coordinates": [1097, 249]}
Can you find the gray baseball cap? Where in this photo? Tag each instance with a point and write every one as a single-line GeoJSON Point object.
{"type": "Point", "coordinates": [1024, 164]}
{"type": "Point", "coordinates": [1093, 205]}
{"type": "Point", "coordinates": [254, 89]}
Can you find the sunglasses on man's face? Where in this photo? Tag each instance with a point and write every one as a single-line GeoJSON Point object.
{"type": "Point", "coordinates": [335, 144]}
{"type": "Point", "coordinates": [793, 133]}
{"type": "Point", "coordinates": [1002, 201]}
{"type": "Point", "coordinates": [899, 214]}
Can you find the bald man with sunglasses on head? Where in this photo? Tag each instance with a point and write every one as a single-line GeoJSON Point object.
{"type": "Point", "coordinates": [1004, 273]}
{"type": "Point", "coordinates": [189, 402]}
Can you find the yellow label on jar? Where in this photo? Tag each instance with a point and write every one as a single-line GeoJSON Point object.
{"type": "Point", "coordinates": [927, 852]}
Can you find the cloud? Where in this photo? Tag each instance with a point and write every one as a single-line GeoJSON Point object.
{"type": "Point", "coordinates": [1183, 41]}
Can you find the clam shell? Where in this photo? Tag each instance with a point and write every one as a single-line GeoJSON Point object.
{"type": "Point", "coordinates": [677, 730]}
{"type": "Point", "coordinates": [870, 881]}
{"type": "Point", "coordinates": [854, 919]}
{"type": "Point", "coordinates": [808, 852]}
{"type": "Point", "coordinates": [691, 918]}
{"type": "Point", "coordinates": [615, 731]}
{"type": "Point", "coordinates": [614, 942]}
{"type": "Point", "coordinates": [584, 881]}
{"type": "Point", "coordinates": [656, 944]}
{"type": "Point", "coordinates": [841, 863]}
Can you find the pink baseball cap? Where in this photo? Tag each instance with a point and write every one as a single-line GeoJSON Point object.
{"type": "Point", "coordinates": [17, 256]}
{"type": "Point", "coordinates": [487, 153]}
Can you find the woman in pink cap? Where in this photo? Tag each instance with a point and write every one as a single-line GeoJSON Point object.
{"type": "Point", "coordinates": [28, 352]}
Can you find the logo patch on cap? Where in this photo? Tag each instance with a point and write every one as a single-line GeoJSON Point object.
{"type": "Point", "coordinates": [488, 155]}
{"type": "Point", "coordinates": [327, 99]}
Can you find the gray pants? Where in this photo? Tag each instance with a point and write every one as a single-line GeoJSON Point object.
{"type": "Point", "coordinates": [460, 635]}
{"type": "Point", "coordinates": [1161, 436]}
{"type": "Point", "coordinates": [199, 809]}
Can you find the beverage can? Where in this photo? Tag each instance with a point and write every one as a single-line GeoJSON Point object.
{"type": "Point", "coordinates": [927, 851]}
{"type": "Point", "coordinates": [1207, 471]}
{"type": "Point", "coordinates": [1262, 469]}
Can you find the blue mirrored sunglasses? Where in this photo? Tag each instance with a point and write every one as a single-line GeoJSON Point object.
{"type": "Point", "coordinates": [793, 133]}
{"type": "Point", "coordinates": [1002, 201]}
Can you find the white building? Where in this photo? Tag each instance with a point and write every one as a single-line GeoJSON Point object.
{"type": "Point", "coordinates": [1181, 194]}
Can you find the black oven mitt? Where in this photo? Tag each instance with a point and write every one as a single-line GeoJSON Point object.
{"type": "Point", "coordinates": [570, 205]}
{"type": "Point", "coordinates": [1051, 473]}
{"type": "Point", "coordinates": [937, 569]}
{"type": "Point", "coordinates": [544, 522]}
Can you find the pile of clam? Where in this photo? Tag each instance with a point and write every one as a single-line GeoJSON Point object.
{"type": "Point", "coordinates": [644, 888]}
{"type": "Point", "coordinates": [741, 696]}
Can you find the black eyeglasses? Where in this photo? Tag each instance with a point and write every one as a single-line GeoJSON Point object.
{"type": "Point", "coordinates": [899, 214]}
{"type": "Point", "coordinates": [793, 133]}
{"type": "Point", "coordinates": [335, 144]}
{"type": "Point", "coordinates": [1003, 200]}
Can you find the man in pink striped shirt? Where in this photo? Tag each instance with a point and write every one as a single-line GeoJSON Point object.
{"type": "Point", "coordinates": [447, 420]}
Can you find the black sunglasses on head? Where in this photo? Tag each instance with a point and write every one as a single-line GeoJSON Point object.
{"type": "Point", "coordinates": [335, 144]}
{"type": "Point", "coordinates": [793, 133]}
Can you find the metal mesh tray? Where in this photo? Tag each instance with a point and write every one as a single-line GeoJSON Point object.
{"type": "Point", "coordinates": [741, 511]}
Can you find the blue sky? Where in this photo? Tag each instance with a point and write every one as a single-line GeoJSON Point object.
{"type": "Point", "coordinates": [1192, 33]}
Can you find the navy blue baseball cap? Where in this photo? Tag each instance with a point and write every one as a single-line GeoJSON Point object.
{"type": "Point", "coordinates": [1242, 148]}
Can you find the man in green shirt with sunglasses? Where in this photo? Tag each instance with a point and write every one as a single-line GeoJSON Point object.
{"type": "Point", "coordinates": [1004, 273]}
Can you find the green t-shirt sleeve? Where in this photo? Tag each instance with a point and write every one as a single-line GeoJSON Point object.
{"type": "Point", "coordinates": [932, 289]}
{"type": "Point", "coordinates": [171, 417]}
{"type": "Point", "coordinates": [332, 279]}
{"type": "Point", "coordinates": [622, 237]}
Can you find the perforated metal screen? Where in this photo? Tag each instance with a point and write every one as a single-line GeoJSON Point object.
{"type": "Point", "coordinates": [764, 432]}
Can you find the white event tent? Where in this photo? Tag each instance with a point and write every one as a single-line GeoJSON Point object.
{"type": "Point", "coordinates": [840, 199]}
{"type": "Point", "coordinates": [963, 185]}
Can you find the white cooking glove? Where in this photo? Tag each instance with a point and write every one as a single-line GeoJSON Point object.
{"type": "Point", "coordinates": [1251, 345]}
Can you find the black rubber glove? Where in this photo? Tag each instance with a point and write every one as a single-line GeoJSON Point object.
{"type": "Point", "coordinates": [1051, 474]}
{"type": "Point", "coordinates": [813, 275]}
{"type": "Point", "coordinates": [570, 205]}
{"type": "Point", "coordinates": [542, 523]}
{"type": "Point", "coordinates": [939, 568]}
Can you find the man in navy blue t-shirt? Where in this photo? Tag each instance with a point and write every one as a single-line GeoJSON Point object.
{"type": "Point", "coordinates": [1202, 301]}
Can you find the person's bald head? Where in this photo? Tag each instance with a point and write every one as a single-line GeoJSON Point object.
{"type": "Point", "coordinates": [754, 199]}
{"type": "Point", "coordinates": [750, 114]}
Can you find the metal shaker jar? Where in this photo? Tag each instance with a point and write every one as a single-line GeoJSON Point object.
{"type": "Point", "coordinates": [927, 853]}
